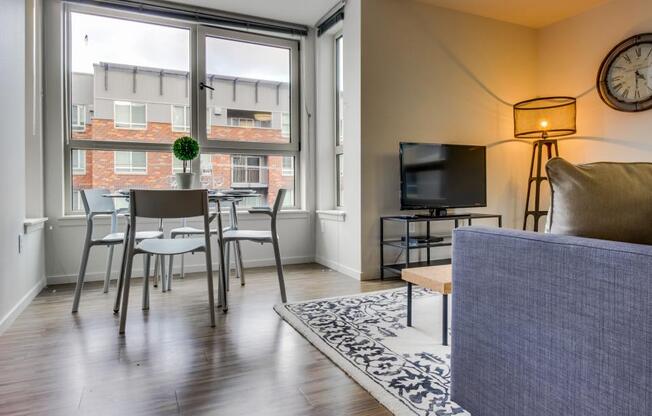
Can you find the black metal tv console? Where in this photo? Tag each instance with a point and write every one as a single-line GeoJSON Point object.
{"type": "Point", "coordinates": [410, 242]}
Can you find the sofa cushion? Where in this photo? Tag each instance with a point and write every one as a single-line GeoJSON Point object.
{"type": "Point", "coordinates": [605, 200]}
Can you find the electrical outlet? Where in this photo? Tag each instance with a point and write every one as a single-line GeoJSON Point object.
{"type": "Point", "coordinates": [20, 243]}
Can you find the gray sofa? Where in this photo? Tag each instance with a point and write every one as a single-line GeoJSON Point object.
{"type": "Point", "coordinates": [549, 325]}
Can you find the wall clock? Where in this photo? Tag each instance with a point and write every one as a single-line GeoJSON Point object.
{"type": "Point", "coordinates": [625, 76]}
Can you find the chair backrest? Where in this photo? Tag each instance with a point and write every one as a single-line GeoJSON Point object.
{"type": "Point", "coordinates": [168, 203]}
{"type": "Point", "coordinates": [278, 202]}
{"type": "Point", "coordinates": [95, 202]}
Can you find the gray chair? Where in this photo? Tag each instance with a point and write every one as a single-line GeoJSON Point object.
{"type": "Point", "coordinates": [185, 231]}
{"type": "Point", "coordinates": [95, 203]}
{"type": "Point", "coordinates": [264, 236]}
{"type": "Point", "coordinates": [170, 204]}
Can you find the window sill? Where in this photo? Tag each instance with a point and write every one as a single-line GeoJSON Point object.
{"type": "Point", "coordinates": [332, 215]}
{"type": "Point", "coordinates": [33, 224]}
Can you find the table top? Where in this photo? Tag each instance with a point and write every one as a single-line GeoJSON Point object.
{"type": "Point", "coordinates": [212, 194]}
{"type": "Point", "coordinates": [437, 278]}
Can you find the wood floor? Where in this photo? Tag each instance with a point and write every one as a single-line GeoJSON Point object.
{"type": "Point", "coordinates": [171, 361]}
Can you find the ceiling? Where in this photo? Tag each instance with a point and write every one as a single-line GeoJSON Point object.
{"type": "Point", "coordinates": [306, 12]}
{"type": "Point", "coordinates": [531, 13]}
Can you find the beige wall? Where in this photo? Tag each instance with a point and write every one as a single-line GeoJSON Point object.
{"type": "Point", "coordinates": [570, 53]}
{"type": "Point", "coordinates": [435, 75]}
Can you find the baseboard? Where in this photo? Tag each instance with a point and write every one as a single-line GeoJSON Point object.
{"type": "Point", "coordinates": [346, 270]}
{"type": "Point", "coordinates": [23, 303]}
{"type": "Point", "coordinates": [189, 268]}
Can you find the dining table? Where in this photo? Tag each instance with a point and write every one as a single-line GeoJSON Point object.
{"type": "Point", "coordinates": [231, 196]}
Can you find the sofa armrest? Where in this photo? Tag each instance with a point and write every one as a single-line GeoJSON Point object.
{"type": "Point", "coordinates": [550, 325]}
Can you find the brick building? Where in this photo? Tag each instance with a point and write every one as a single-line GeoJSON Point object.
{"type": "Point", "coordinates": [121, 103]}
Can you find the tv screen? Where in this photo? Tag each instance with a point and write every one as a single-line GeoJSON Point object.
{"type": "Point", "coordinates": [442, 176]}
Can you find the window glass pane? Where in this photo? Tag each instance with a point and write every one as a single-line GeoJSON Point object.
{"type": "Point", "coordinates": [179, 118]}
{"type": "Point", "coordinates": [124, 61]}
{"type": "Point", "coordinates": [75, 116]}
{"type": "Point", "coordinates": [138, 117]}
{"type": "Point", "coordinates": [339, 99]}
{"type": "Point", "coordinates": [122, 115]}
{"type": "Point", "coordinates": [252, 91]}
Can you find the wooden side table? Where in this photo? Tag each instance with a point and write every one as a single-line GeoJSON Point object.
{"type": "Point", "coordinates": [436, 278]}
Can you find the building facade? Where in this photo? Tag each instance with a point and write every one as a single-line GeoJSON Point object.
{"type": "Point", "coordinates": [126, 104]}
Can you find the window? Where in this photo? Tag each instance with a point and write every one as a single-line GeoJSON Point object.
{"type": "Point", "coordinates": [128, 115]}
{"type": "Point", "coordinates": [181, 118]}
{"type": "Point", "coordinates": [144, 94]}
{"type": "Point", "coordinates": [130, 162]}
{"type": "Point", "coordinates": [78, 115]}
{"type": "Point", "coordinates": [78, 162]}
{"type": "Point", "coordinates": [285, 124]}
{"type": "Point", "coordinates": [246, 118]}
{"type": "Point", "coordinates": [248, 171]}
{"type": "Point", "coordinates": [339, 120]}
{"type": "Point", "coordinates": [288, 166]}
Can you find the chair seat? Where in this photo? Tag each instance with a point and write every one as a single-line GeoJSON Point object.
{"type": "Point", "coordinates": [116, 238]}
{"type": "Point", "coordinates": [190, 231]}
{"type": "Point", "coordinates": [250, 235]}
{"type": "Point", "coordinates": [169, 246]}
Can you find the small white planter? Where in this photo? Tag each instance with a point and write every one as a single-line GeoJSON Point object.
{"type": "Point", "coordinates": [184, 180]}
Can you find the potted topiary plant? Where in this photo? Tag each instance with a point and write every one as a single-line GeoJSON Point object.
{"type": "Point", "coordinates": [185, 149]}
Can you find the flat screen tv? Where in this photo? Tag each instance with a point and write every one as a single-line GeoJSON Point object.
{"type": "Point", "coordinates": [440, 176]}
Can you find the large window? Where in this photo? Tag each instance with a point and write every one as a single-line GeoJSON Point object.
{"type": "Point", "coordinates": [127, 104]}
{"type": "Point", "coordinates": [339, 120]}
{"type": "Point", "coordinates": [128, 115]}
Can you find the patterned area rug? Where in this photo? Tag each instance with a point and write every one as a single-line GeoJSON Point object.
{"type": "Point", "coordinates": [405, 369]}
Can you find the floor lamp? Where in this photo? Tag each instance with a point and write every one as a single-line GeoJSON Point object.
{"type": "Point", "coordinates": [542, 119]}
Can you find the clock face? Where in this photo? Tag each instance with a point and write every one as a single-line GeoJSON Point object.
{"type": "Point", "coordinates": [625, 76]}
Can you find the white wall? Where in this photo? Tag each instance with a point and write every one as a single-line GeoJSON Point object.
{"type": "Point", "coordinates": [570, 53]}
{"type": "Point", "coordinates": [338, 233]}
{"type": "Point", "coordinates": [21, 273]}
{"type": "Point", "coordinates": [434, 75]}
{"type": "Point", "coordinates": [64, 237]}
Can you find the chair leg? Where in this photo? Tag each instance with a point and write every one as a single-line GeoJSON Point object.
{"type": "Point", "coordinates": [183, 261]}
{"type": "Point", "coordinates": [107, 277]}
{"type": "Point", "coordinates": [227, 262]}
{"type": "Point", "coordinates": [125, 295]}
{"type": "Point", "coordinates": [81, 276]}
{"type": "Point", "coordinates": [209, 280]}
{"type": "Point", "coordinates": [279, 270]}
{"type": "Point", "coordinates": [238, 265]}
{"type": "Point", "coordinates": [146, 261]}
{"type": "Point", "coordinates": [222, 295]}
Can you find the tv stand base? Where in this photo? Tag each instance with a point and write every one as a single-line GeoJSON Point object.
{"type": "Point", "coordinates": [433, 213]}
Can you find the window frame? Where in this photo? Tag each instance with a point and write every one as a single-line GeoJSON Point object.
{"type": "Point", "coordinates": [131, 126]}
{"type": "Point", "coordinates": [197, 98]}
{"type": "Point", "coordinates": [263, 165]}
{"type": "Point", "coordinates": [339, 144]}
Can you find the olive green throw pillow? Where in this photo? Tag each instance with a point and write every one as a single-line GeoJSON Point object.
{"type": "Point", "coordinates": [605, 200]}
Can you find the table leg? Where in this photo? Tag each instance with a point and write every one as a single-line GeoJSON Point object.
{"type": "Point", "coordinates": [445, 320]}
{"type": "Point", "coordinates": [409, 304]}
